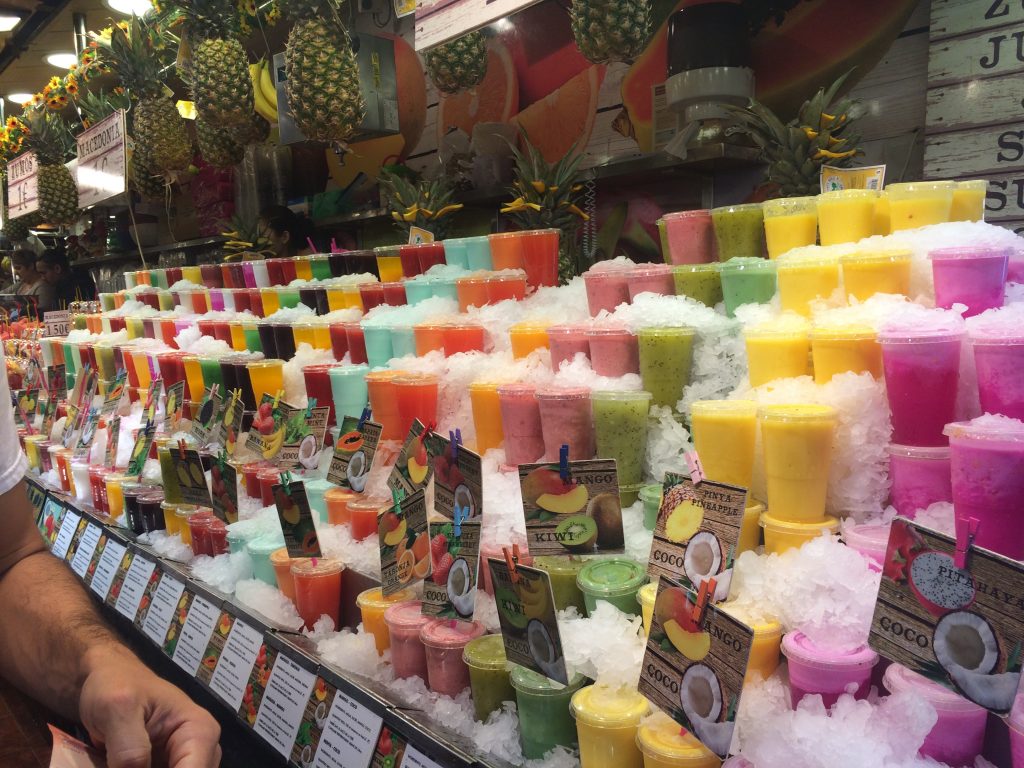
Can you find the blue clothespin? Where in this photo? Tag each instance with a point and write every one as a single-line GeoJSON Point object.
{"type": "Point", "coordinates": [454, 441]}
{"type": "Point", "coordinates": [563, 463]}
{"type": "Point", "coordinates": [365, 417]}
{"type": "Point", "coordinates": [461, 514]}
{"type": "Point", "coordinates": [310, 405]}
{"type": "Point", "coordinates": [964, 542]}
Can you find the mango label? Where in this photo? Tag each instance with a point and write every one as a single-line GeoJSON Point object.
{"type": "Point", "coordinates": [404, 544]}
{"type": "Point", "coordinates": [413, 469]}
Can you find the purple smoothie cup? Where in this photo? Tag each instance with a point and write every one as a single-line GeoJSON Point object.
{"type": "Point", "coordinates": [972, 276]}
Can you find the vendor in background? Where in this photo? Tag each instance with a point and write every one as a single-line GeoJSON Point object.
{"type": "Point", "coordinates": [66, 284]}
{"type": "Point", "coordinates": [30, 282]}
{"type": "Point", "coordinates": [289, 233]}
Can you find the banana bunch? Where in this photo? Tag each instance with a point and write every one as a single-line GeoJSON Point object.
{"type": "Point", "coordinates": [264, 91]}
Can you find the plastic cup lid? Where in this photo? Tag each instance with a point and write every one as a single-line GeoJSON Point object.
{"type": "Point", "coordinates": [315, 567]}
{"type": "Point", "coordinates": [652, 269]}
{"type": "Point", "coordinates": [872, 536]}
{"type": "Point", "coordinates": [385, 374]}
{"type": "Point", "coordinates": [560, 565]}
{"type": "Point", "coordinates": [407, 615]}
{"type": "Point", "coordinates": [843, 332]}
{"type": "Point", "coordinates": [915, 186]}
{"type": "Point", "coordinates": [607, 707]}
{"type": "Point", "coordinates": [684, 268]}
{"type": "Point", "coordinates": [830, 524]}
{"type": "Point", "coordinates": [876, 257]}
{"type": "Point", "coordinates": [987, 427]}
{"type": "Point", "coordinates": [530, 325]}
{"type": "Point", "coordinates": [486, 652]}
{"type": "Point", "coordinates": [981, 184]}
{"type": "Point", "coordinates": [446, 633]}
{"type": "Point", "coordinates": [517, 390]}
{"type": "Point", "coordinates": [979, 252]}
{"type": "Point", "coordinates": [626, 396]}
{"type": "Point", "coordinates": [609, 330]}
{"type": "Point", "coordinates": [739, 263]}
{"type": "Point", "coordinates": [651, 492]}
{"type": "Point", "coordinates": [725, 407]}
{"type": "Point", "coordinates": [789, 328]}
{"type": "Point", "coordinates": [647, 594]}
{"type": "Point", "coordinates": [695, 214]}
{"type": "Point", "coordinates": [665, 330]}
{"type": "Point", "coordinates": [611, 576]}
{"type": "Point", "coordinates": [811, 262]}
{"type": "Point", "coordinates": [796, 645]}
{"type": "Point", "coordinates": [661, 738]}
{"type": "Point", "coordinates": [528, 681]}
{"type": "Point", "coordinates": [374, 598]}
{"type": "Point", "coordinates": [843, 194]}
{"type": "Point", "coordinates": [783, 205]}
{"type": "Point", "coordinates": [281, 556]}
{"type": "Point", "coordinates": [738, 207]}
{"type": "Point", "coordinates": [900, 678]}
{"type": "Point", "coordinates": [563, 393]}
{"type": "Point", "coordinates": [265, 545]}
{"type": "Point", "coordinates": [930, 453]}
{"type": "Point", "coordinates": [797, 412]}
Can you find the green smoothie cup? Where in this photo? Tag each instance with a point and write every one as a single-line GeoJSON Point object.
{"type": "Point", "coordinates": [650, 495]}
{"type": "Point", "coordinates": [545, 721]}
{"type": "Point", "coordinates": [615, 580]}
{"type": "Point", "coordinates": [747, 281]}
{"type": "Point", "coordinates": [666, 357]}
{"type": "Point", "coordinates": [210, 366]}
{"type": "Point", "coordinates": [488, 674]}
{"type": "Point", "coordinates": [563, 572]}
{"type": "Point", "coordinates": [620, 426]}
{"type": "Point", "coordinates": [701, 282]}
{"type": "Point", "coordinates": [739, 230]}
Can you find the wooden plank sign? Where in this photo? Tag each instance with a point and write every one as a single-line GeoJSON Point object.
{"type": "Point", "coordinates": [102, 153]}
{"type": "Point", "coordinates": [438, 21]}
{"type": "Point", "coordinates": [22, 185]}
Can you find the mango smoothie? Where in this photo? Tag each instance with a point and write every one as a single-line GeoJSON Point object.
{"type": "Point", "coordinates": [790, 222]}
{"type": "Point", "coordinates": [882, 225]}
{"type": "Point", "coordinates": [724, 432]}
{"type": "Point", "coordinates": [969, 200]}
{"type": "Point", "coordinates": [919, 203]}
{"type": "Point", "coordinates": [797, 457]}
{"type": "Point", "coordinates": [606, 721]}
{"type": "Point", "coordinates": [846, 215]}
{"type": "Point", "coordinates": [802, 281]}
{"type": "Point", "coordinates": [839, 349]}
{"type": "Point", "coordinates": [777, 351]}
{"type": "Point", "coordinates": [665, 745]}
{"type": "Point", "coordinates": [869, 272]}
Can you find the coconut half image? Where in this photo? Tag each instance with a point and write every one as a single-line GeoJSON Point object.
{"type": "Point", "coordinates": [968, 651]}
{"type": "Point", "coordinates": [464, 499]}
{"type": "Point", "coordinates": [700, 695]}
{"type": "Point", "coordinates": [703, 557]}
{"type": "Point", "coordinates": [309, 456]}
{"type": "Point", "coordinates": [356, 472]}
{"type": "Point", "coordinates": [459, 586]}
{"type": "Point", "coordinates": [542, 650]}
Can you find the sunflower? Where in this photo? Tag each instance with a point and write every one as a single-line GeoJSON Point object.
{"type": "Point", "coordinates": [12, 123]}
{"type": "Point", "coordinates": [36, 100]}
{"type": "Point", "coordinates": [71, 86]}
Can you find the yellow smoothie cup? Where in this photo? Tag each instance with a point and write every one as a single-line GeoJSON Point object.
{"type": "Point", "coordinates": [606, 723]}
{"type": "Point", "coordinates": [271, 302]}
{"type": "Point", "coordinates": [528, 336]}
{"type": "Point", "coordinates": [869, 272]}
{"type": "Point", "coordinates": [646, 596]}
{"type": "Point", "coordinates": [790, 222]}
{"type": "Point", "coordinates": [303, 333]}
{"type": "Point", "coordinates": [777, 351]}
{"type": "Point", "coordinates": [797, 443]}
{"type": "Point", "coordinates": [483, 396]}
{"type": "Point", "coordinates": [846, 215]}
{"type": "Point", "coordinates": [237, 330]}
{"type": "Point", "coordinates": [750, 528]}
{"type": "Point", "coordinates": [969, 200]}
{"type": "Point", "coordinates": [336, 298]}
{"type": "Point", "coordinates": [839, 349]}
{"type": "Point", "coordinates": [266, 378]}
{"type": "Point", "coordinates": [781, 536]}
{"type": "Point", "coordinates": [882, 226]}
{"type": "Point", "coordinates": [663, 745]}
{"type": "Point", "coordinates": [766, 649]}
{"type": "Point", "coordinates": [801, 281]}
{"type": "Point", "coordinates": [919, 203]}
{"type": "Point", "coordinates": [724, 432]}
{"type": "Point", "coordinates": [372, 605]}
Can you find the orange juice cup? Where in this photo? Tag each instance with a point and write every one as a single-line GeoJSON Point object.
{"type": "Point", "coordinates": [337, 500]}
{"type": "Point", "coordinates": [351, 298]}
{"type": "Point", "coordinates": [303, 333]}
{"type": "Point", "coordinates": [507, 250]}
{"type": "Point", "coordinates": [336, 298]}
{"type": "Point", "coordinates": [271, 302]}
{"type": "Point", "coordinates": [417, 398]}
{"type": "Point", "coordinates": [483, 397]}
{"type": "Point", "coordinates": [364, 513]}
{"type": "Point", "coordinates": [237, 331]}
{"type": "Point", "coordinates": [840, 349]}
{"type": "Point", "coordinates": [429, 338]}
{"type": "Point", "coordinates": [282, 563]}
{"type": "Point", "coordinates": [503, 287]}
{"type": "Point", "coordinates": [868, 273]}
{"type": "Point", "coordinates": [384, 404]}
{"type": "Point", "coordinates": [463, 337]}
{"type": "Point", "coordinates": [846, 215]}
{"type": "Point", "coordinates": [539, 249]}
{"type": "Point", "coordinates": [266, 378]}
{"type": "Point", "coordinates": [882, 225]}
{"type": "Point", "coordinates": [526, 337]}
{"type": "Point", "coordinates": [389, 263]}
{"type": "Point", "coordinates": [801, 281]}
{"type": "Point", "coordinates": [372, 605]}
{"type": "Point", "coordinates": [969, 200]}
{"type": "Point", "coordinates": [115, 496]}
{"type": "Point", "coordinates": [321, 334]}
{"type": "Point", "coordinates": [317, 589]}
{"type": "Point", "coordinates": [472, 292]}
{"type": "Point", "coordinates": [919, 203]}
{"type": "Point", "coordinates": [303, 267]}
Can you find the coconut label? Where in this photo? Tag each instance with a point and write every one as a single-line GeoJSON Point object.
{"type": "Point", "coordinates": [575, 511]}
{"type": "Point", "coordinates": [413, 469]}
{"type": "Point", "coordinates": [694, 664]}
{"type": "Point", "coordinates": [191, 477]}
{"type": "Point", "coordinates": [404, 544]}
{"type": "Point", "coordinates": [526, 612]}
{"type": "Point", "coordinates": [296, 519]}
{"type": "Point", "coordinates": [289, 437]}
{"type": "Point", "coordinates": [353, 453]}
{"type": "Point", "coordinates": [696, 533]}
{"type": "Point", "coordinates": [960, 627]}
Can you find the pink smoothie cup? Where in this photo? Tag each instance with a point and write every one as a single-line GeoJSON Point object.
{"type": "Point", "coordinates": [1016, 724]}
{"type": "Point", "coordinates": [606, 288]}
{"type": "Point", "coordinates": [972, 276]}
{"type": "Point", "coordinates": [688, 237]}
{"type": "Point", "coordinates": [651, 278]}
{"type": "Point", "coordinates": [959, 734]}
{"type": "Point", "coordinates": [826, 671]}
{"type": "Point", "coordinates": [408, 656]}
{"type": "Point", "coordinates": [614, 350]}
{"type": "Point", "coordinates": [922, 370]}
{"type": "Point", "coordinates": [520, 421]}
{"type": "Point", "coordinates": [987, 468]}
{"type": "Point", "coordinates": [445, 641]}
{"type": "Point", "coordinates": [999, 361]}
{"type": "Point", "coordinates": [920, 477]}
{"type": "Point", "coordinates": [870, 540]}
{"type": "Point", "coordinates": [565, 341]}
{"type": "Point", "coordinates": [566, 419]}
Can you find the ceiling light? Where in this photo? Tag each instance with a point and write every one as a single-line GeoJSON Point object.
{"type": "Point", "coordinates": [19, 98]}
{"type": "Point", "coordinates": [7, 23]}
{"type": "Point", "coordinates": [62, 60]}
{"type": "Point", "coordinates": [129, 7]}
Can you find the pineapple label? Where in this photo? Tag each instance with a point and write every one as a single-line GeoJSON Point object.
{"type": "Point", "coordinates": [353, 453]}
{"type": "Point", "coordinates": [454, 529]}
{"type": "Point", "coordinates": [296, 519]}
{"type": "Point", "coordinates": [288, 436]}
{"type": "Point", "coordinates": [961, 627]}
{"type": "Point", "coordinates": [694, 664]}
{"type": "Point", "coordinates": [173, 405]}
{"type": "Point", "coordinates": [412, 469]}
{"type": "Point", "coordinates": [696, 533]}
{"type": "Point", "coordinates": [529, 624]}
{"type": "Point", "coordinates": [191, 477]}
{"type": "Point", "coordinates": [572, 512]}
{"type": "Point", "coordinates": [404, 544]}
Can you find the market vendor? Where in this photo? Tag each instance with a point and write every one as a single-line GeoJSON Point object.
{"type": "Point", "coordinates": [55, 647]}
{"type": "Point", "coordinates": [30, 281]}
{"type": "Point", "coordinates": [67, 285]}
{"type": "Point", "coordinates": [289, 233]}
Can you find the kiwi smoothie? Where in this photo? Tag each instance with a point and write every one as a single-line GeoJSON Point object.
{"type": "Point", "coordinates": [666, 356]}
{"type": "Point", "coordinates": [620, 427]}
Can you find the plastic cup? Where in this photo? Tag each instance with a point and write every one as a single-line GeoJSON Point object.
{"type": "Point", "coordinates": [545, 721]}
{"type": "Point", "coordinates": [563, 572]}
{"type": "Point", "coordinates": [870, 541]}
{"type": "Point", "coordinates": [408, 655]}
{"type": "Point", "coordinates": [846, 215]}
{"type": "Point", "coordinates": [987, 470]}
{"type": "Point", "coordinates": [620, 426]}
{"type": "Point", "coordinates": [1016, 727]}
{"type": "Point", "coordinates": [539, 252]}
{"type": "Point", "coordinates": [920, 477]}
{"type": "Point", "coordinates": [797, 457]}
{"type": "Point", "coordinates": [356, 343]}
{"type": "Point", "coordinates": [882, 225]}
{"type": "Point", "coordinates": [828, 672]}
{"type": "Point", "coordinates": [378, 345]}
{"type": "Point", "coordinates": [266, 378]}
{"type": "Point", "coordinates": [871, 272]}
{"type": "Point", "coordinates": [429, 338]}
{"type": "Point", "coordinates": [318, 386]}
{"type": "Point", "coordinates": [565, 341]}
{"type": "Point", "coordinates": [456, 252]}
{"type": "Point", "coordinates": [702, 282]}
{"type": "Point", "coordinates": [665, 745]}
{"type": "Point", "coordinates": [776, 351]}
{"type": "Point", "coordinates": [747, 281]}
{"type": "Point", "coordinates": [316, 490]}
{"type": "Point", "coordinates": [724, 433]}
{"type": "Point", "coordinates": [520, 423]}
{"type": "Point", "coordinates": [651, 495]}
{"type": "Point", "coordinates": [836, 350]}
{"type": "Point", "coordinates": [527, 337]}
{"type": "Point", "coordinates": [972, 276]}
{"type": "Point", "coordinates": [478, 252]}
{"type": "Point", "coordinates": [969, 200]}
{"type": "Point", "coordinates": [403, 341]}
{"type": "Point", "coordinates": [999, 361]}
{"type": "Point", "coordinates": [606, 725]}
{"type": "Point", "coordinates": [782, 535]}
{"type": "Point", "coordinates": [666, 359]}
{"type": "Point", "coordinates": [507, 250]}
{"type": "Point", "coordinates": [472, 292]}
{"type": "Point", "coordinates": [614, 350]}
{"type": "Point", "coordinates": [284, 338]}
{"type": "Point", "coordinates": [372, 606]}
{"type": "Point", "coordinates": [739, 230]}
{"type": "Point", "coordinates": [919, 203]}
{"type": "Point", "coordinates": [506, 286]}
{"type": "Point", "coordinates": [349, 390]}
{"type": "Point", "coordinates": [765, 650]}
{"type": "Point", "coordinates": [389, 264]}
{"type": "Point", "coordinates": [416, 394]}
{"type": "Point", "coordinates": [647, 595]}
{"type": "Point", "coordinates": [922, 371]}
{"type": "Point", "coordinates": [336, 500]}
{"type": "Point", "coordinates": [802, 281]}
{"type": "Point", "coordinates": [418, 289]}
{"type": "Point", "coordinates": [317, 589]}
{"type": "Point", "coordinates": [566, 419]}
{"type": "Point", "coordinates": [606, 289]}
{"type": "Point", "coordinates": [489, 677]}
{"type": "Point", "coordinates": [790, 222]}
{"type": "Point", "coordinates": [460, 336]}
{"type": "Point", "coordinates": [651, 278]}
{"type": "Point", "coordinates": [487, 416]}
{"type": "Point", "coordinates": [445, 641]}
{"type": "Point", "coordinates": [384, 403]}
{"type": "Point", "coordinates": [281, 562]}
{"type": "Point", "coordinates": [363, 516]}
{"type": "Point", "coordinates": [688, 237]}
{"type": "Point", "coordinates": [614, 580]}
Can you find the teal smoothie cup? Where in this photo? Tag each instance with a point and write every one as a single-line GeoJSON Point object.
{"type": "Point", "coordinates": [348, 388]}
{"type": "Point", "coordinates": [747, 280]}
{"type": "Point", "coordinates": [378, 345]}
{"type": "Point", "coordinates": [315, 490]}
{"type": "Point", "coordinates": [620, 428]}
{"type": "Point", "coordinates": [701, 282]}
{"type": "Point", "coordinates": [478, 253]}
{"type": "Point", "coordinates": [615, 580]}
{"type": "Point", "coordinates": [545, 721]}
{"type": "Point", "coordinates": [259, 552]}
{"type": "Point", "coordinates": [739, 230]}
{"type": "Point", "coordinates": [650, 495]}
{"type": "Point", "coordinates": [666, 358]}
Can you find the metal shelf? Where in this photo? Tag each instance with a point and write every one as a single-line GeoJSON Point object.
{"type": "Point", "coordinates": [185, 245]}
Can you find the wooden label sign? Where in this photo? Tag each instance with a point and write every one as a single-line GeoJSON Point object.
{"type": "Point", "coordinates": [438, 21]}
{"type": "Point", "coordinates": [102, 153]}
{"type": "Point", "coordinates": [22, 185]}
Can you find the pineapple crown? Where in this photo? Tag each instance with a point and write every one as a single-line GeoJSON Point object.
{"type": "Point", "coordinates": [418, 203]}
{"type": "Point", "coordinates": [95, 106]}
{"type": "Point", "coordinates": [298, 10]}
{"type": "Point", "coordinates": [48, 136]}
{"type": "Point", "coordinates": [547, 195]}
{"type": "Point", "coordinates": [204, 19]}
{"type": "Point", "coordinates": [133, 52]}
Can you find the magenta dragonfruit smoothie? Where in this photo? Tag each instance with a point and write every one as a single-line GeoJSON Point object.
{"type": "Point", "coordinates": [814, 669]}
{"type": "Point", "coordinates": [920, 477]}
{"type": "Point", "coordinates": [998, 340]}
{"type": "Point", "coordinates": [972, 276]}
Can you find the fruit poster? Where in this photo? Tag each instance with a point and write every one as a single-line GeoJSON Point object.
{"type": "Point", "coordinates": [696, 533]}
{"type": "Point", "coordinates": [26, 401]}
{"type": "Point", "coordinates": [191, 477]}
{"type": "Point", "coordinates": [578, 513]}
{"type": "Point", "coordinates": [529, 623]}
{"type": "Point", "coordinates": [224, 489]}
{"type": "Point", "coordinates": [113, 438]}
{"type": "Point", "coordinates": [57, 383]}
{"type": "Point", "coordinates": [232, 415]}
{"type": "Point", "coordinates": [215, 647]}
{"type": "Point", "coordinates": [178, 620]}
{"type": "Point", "coordinates": [258, 679]}
{"type": "Point", "coordinates": [36, 498]}
{"type": "Point", "coordinates": [288, 436]}
{"type": "Point", "coordinates": [694, 664]}
{"type": "Point", "coordinates": [404, 544]}
{"type": "Point", "coordinates": [52, 514]}
{"type": "Point", "coordinates": [296, 519]}
{"type": "Point", "coordinates": [147, 598]}
{"type": "Point", "coordinates": [314, 720]}
{"type": "Point", "coordinates": [119, 576]}
{"type": "Point", "coordinates": [413, 469]}
{"type": "Point", "coordinates": [140, 451]}
{"type": "Point", "coordinates": [205, 425]}
{"type": "Point", "coordinates": [353, 453]}
{"type": "Point", "coordinates": [960, 627]}
{"type": "Point", "coordinates": [390, 749]}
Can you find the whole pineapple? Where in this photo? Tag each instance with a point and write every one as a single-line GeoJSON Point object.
{"type": "Point", "coordinates": [49, 137]}
{"type": "Point", "coordinates": [323, 77]}
{"type": "Point", "coordinates": [611, 30]}
{"type": "Point", "coordinates": [142, 179]}
{"type": "Point", "coordinates": [256, 130]}
{"type": "Point", "coordinates": [16, 230]}
{"type": "Point", "coordinates": [796, 150]}
{"type": "Point", "coordinates": [458, 65]}
{"type": "Point", "coordinates": [217, 145]}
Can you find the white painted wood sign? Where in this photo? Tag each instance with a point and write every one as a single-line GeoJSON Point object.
{"type": "Point", "coordinates": [438, 21]}
{"type": "Point", "coordinates": [102, 160]}
{"type": "Point", "coordinates": [22, 185]}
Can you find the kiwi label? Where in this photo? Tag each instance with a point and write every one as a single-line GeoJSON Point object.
{"type": "Point", "coordinates": [576, 514]}
{"type": "Point", "coordinates": [191, 477]}
{"type": "Point", "coordinates": [960, 627]}
{"type": "Point", "coordinates": [353, 453]}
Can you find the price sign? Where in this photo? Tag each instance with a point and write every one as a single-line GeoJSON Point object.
{"type": "Point", "coordinates": [195, 634]}
{"type": "Point", "coordinates": [284, 702]}
{"type": "Point", "coordinates": [101, 161]}
{"type": "Point", "coordinates": [236, 662]}
{"type": "Point", "coordinates": [57, 323]}
{"type": "Point", "coordinates": [68, 527]}
{"type": "Point", "coordinates": [349, 734]}
{"type": "Point", "coordinates": [416, 759]}
{"type": "Point", "coordinates": [134, 587]}
{"type": "Point", "coordinates": [22, 185]}
{"type": "Point", "coordinates": [106, 568]}
{"type": "Point", "coordinates": [161, 612]}
{"type": "Point", "coordinates": [86, 549]}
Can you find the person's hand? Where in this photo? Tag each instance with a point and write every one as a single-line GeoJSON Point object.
{"type": "Point", "coordinates": [140, 719]}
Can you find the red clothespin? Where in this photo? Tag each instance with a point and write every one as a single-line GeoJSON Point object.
{"type": "Point", "coordinates": [696, 468]}
{"type": "Point", "coordinates": [512, 560]}
{"type": "Point", "coordinates": [181, 449]}
{"type": "Point", "coordinates": [563, 463]}
{"type": "Point", "coordinates": [428, 429]}
{"type": "Point", "coordinates": [704, 595]}
{"type": "Point", "coordinates": [964, 542]}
